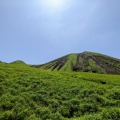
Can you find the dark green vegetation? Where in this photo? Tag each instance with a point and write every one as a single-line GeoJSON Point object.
{"type": "Point", "coordinates": [28, 93]}
{"type": "Point", "coordinates": [85, 62]}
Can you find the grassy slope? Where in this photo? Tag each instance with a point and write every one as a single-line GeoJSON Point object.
{"type": "Point", "coordinates": [86, 62]}
{"type": "Point", "coordinates": [63, 63]}
{"type": "Point", "coordinates": [33, 94]}
{"type": "Point", "coordinates": [71, 61]}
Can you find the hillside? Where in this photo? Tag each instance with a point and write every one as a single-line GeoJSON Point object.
{"type": "Point", "coordinates": [84, 62]}
{"type": "Point", "coordinates": [18, 62]}
{"type": "Point", "coordinates": [27, 93]}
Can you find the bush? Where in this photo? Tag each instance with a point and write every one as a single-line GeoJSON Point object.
{"type": "Point", "coordinates": [111, 114]}
{"type": "Point", "coordinates": [115, 94]}
{"type": "Point", "coordinates": [92, 117]}
{"type": "Point", "coordinates": [65, 112]}
{"type": "Point", "coordinates": [55, 116]}
{"type": "Point", "coordinates": [88, 108]}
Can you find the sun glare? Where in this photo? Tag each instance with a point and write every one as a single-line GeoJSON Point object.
{"type": "Point", "coordinates": [53, 5]}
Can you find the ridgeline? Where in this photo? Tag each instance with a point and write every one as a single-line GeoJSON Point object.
{"type": "Point", "coordinates": [84, 62]}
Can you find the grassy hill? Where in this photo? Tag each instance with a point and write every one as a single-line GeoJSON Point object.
{"type": "Point", "coordinates": [28, 93]}
{"type": "Point", "coordinates": [85, 62]}
{"type": "Point", "coordinates": [18, 62]}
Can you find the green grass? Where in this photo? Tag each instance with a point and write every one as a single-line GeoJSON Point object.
{"type": "Point", "coordinates": [71, 62]}
{"type": "Point", "coordinates": [28, 93]}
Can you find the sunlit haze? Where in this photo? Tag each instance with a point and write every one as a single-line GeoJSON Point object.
{"type": "Point", "coordinates": [54, 5]}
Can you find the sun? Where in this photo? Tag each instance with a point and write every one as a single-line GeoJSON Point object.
{"type": "Point", "coordinates": [53, 5]}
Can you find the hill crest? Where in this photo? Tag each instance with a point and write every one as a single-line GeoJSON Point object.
{"type": "Point", "coordinates": [18, 62]}
{"type": "Point", "coordinates": [84, 62]}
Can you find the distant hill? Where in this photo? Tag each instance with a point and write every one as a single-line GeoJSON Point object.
{"type": "Point", "coordinates": [85, 62]}
{"type": "Point", "coordinates": [18, 62]}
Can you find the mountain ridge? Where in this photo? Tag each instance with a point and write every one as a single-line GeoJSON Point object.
{"type": "Point", "coordinates": [84, 62]}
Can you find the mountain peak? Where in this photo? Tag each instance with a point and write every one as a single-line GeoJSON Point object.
{"type": "Point", "coordinates": [85, 62]}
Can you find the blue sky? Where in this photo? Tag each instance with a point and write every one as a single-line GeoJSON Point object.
{"type": "Point", "coordinates": [38, 31]}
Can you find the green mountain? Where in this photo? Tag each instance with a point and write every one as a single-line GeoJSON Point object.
{"type": "Point", "coordinates": [27, 93]}
{"type": "Point", "coordinates": [84, 62]}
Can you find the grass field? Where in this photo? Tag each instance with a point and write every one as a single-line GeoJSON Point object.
{"type": "Point", "coordinates": [28, 93]}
